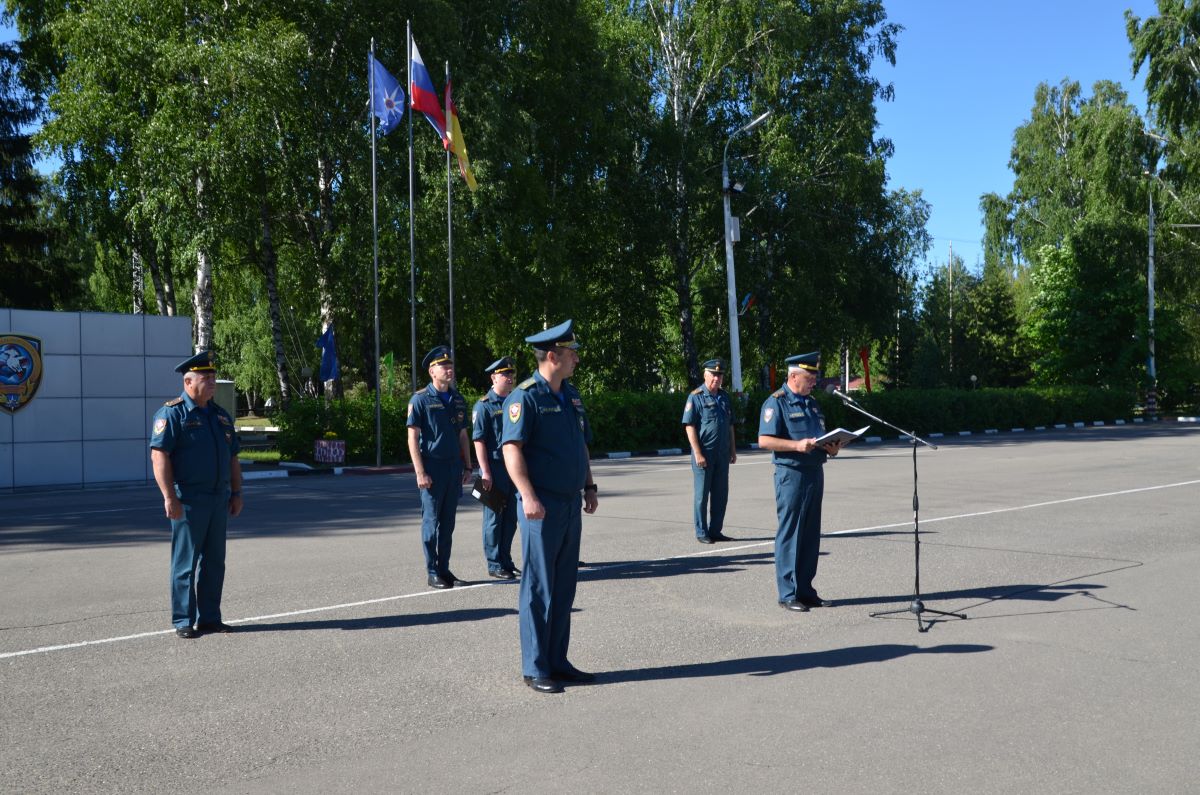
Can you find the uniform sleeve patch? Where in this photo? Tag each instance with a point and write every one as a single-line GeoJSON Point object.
{"type": "Point", "coordinates": [768, 413]}
{"type": "Point", "coordinates": [514, 411]}
{"type": "Point", "coordinates": [474, 416]}
{"type": "Point", "coordinates": [160, 425]}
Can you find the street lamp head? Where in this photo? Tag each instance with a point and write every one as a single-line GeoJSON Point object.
{"type": "Point", "coordinates": [755, 123]}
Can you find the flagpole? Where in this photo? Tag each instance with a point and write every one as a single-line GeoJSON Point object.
{"type": "Point", "coordinates": [449, 223]}
{"type": "Point", "coordinates": [412, 241]}
{"type": "Point", "coordinates": [375, 246]}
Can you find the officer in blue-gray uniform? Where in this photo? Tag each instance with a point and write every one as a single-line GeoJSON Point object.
{"type": "Point", "coordinates": [487, 429]}
{"type": "Point", "coordinates": [441, 456]}
{"type": "Point", "coordinates": [789, 425]}
{"type": "Point", "coordinates": [194, 447]}
{"type": "Point", "coordinates": [546, 438]}
{"type": "Point", "coordinates": [708, 422]}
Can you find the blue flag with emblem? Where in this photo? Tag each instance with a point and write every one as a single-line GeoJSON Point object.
{"type": "Point", "coordinates": [329, 361]}
{"type": "Point", "coordinates": [387, 97]}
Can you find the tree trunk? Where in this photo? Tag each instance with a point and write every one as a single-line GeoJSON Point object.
{"type": "Point", "coordinates": [139, 281]}
{"type": "Point", "coordinates": [270, 266]}
{"type": "Point", "coordinates": [324, 277]}
{"type": "Point", "coordinates": [683, 274]}
{"type": "Point", "coordinates": [202, 296]}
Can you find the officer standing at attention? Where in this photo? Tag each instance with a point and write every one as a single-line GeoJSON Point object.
{"type": "Point", "coordinates": [441, 456]}
{"type": "Point", "coordinates": [193, 448]}
{"type": "Point", "coordinates": [708, 422]}
{"type": "Point", "coordinates": [789, 425]}
{"type": "Point", "coordinates": [546, 438]}
{"type": "Point", "coordinates": [487, 428]}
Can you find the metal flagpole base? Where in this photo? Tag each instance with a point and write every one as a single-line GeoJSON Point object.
{"type": "Point", "coordinates": [917, 608]}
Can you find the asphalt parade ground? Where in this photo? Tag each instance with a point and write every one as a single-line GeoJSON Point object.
{"type": "Point", "coordinates": [1073, 556]}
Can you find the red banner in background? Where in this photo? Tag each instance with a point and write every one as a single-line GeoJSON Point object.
{"type": "Point", "coordinates": [864, 354]}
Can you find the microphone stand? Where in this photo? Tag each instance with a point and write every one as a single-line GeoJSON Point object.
{"type": "Point", "coordinates": [916, 607]}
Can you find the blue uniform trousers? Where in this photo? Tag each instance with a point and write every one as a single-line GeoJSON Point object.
{"type": "Point", "coordinates": [499, 529]}
{"type": "Point", "coordinates": [710, 488]}
{"type": "Point", "coordinates": [198, 559]}
{"type": "Point", "coordinates": [551, 556]}
{"type": "Point", "coordinates": [439, 505]}
{"type": "Point", "coordinates": [798, 495]}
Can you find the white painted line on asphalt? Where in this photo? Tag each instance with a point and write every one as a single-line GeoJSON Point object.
{"type": "Point", "coordinates": [1016, 508]}
{"type": "Point", "coordinates": [397, 597]}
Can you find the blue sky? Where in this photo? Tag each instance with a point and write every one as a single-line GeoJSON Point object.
{"type": "Point", "coordinates": [965, 75]}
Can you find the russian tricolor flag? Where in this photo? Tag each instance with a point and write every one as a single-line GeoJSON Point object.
{"type": "Point", "coordinates": [424, 95]}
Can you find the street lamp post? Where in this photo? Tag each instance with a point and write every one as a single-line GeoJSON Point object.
{"type": "Point", "coordinates": [1152, 392]}
{"type": "Point", "coordinates": [735, 345]}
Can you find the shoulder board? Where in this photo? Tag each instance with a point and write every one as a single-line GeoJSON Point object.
{"type": "Point", "coordinates": [174, 402]}
{"type": "Point", "coordinates": [697, 390]}
{"type": "Point", "coordinates": [777, 392]}
{"type": "Point", "coordinates": [418, 394]}
{"type": "Point", "coordinates": [528, 382]}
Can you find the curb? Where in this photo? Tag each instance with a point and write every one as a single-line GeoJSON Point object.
{"type": "Point", "coordinates": [288, 468]}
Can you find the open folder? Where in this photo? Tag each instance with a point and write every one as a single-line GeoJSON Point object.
{"type": "Point", "coordinates": [841, 435]}
{"type": "Point", "coordinates": [491, 498]}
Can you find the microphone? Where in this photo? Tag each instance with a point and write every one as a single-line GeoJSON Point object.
{"type": "Point", "coordinates": [842, 395]}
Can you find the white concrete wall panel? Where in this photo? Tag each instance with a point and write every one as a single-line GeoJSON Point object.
{"type": "Point", "coordinates": [161, 378]}
{"type": "Point", "coordinates": [114, 418]}
{"type": "Point", "coordinates": [6, 466]}
{"type": "Point", "coordinates": [168, 336]}
{"type": "Point", "coordinates": [116, 335]}
{"type": "Point", "coordinates": [49, 420]}
{"type": "Point", "coordinates": [103, 377]}
{"type": "Point", "coordinates": [58, 331]}
{"type": "Point", "coordinates": [60, 378]}
{"type": "Point", "coordinates": [106, 462]}
{"type": "Point", "coordinates": [114, 376]}
{"type": "Point", "coordinates": [48, 464]}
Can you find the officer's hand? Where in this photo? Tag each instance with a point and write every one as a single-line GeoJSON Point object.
{"type": "Point", "coordinates": [732, 456]}
{"type": "Point", "coordinates": [487, 483]}
{"type": "Point", "coordinates": [174, 507]}
{"type": "Point", "coordinates": [808, 445]}
{"type": "Point", "coordinates": [701, 461]}
{"type": "Point", "coordinates": [533, 507]}
{"type": "Point", "coordinates": [832, 448]}
{"type": "Point", "coordinates": [424, 480]}
{"type": "Point", "coordinates": [235, 505]}
{"type": "Point", "coordinates": [468, 477]}
{"type": "Point", "coordinates": [590, 501]}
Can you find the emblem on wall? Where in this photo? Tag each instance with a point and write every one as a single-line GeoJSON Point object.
{"type": "Point", "coordinates": [20, 370]}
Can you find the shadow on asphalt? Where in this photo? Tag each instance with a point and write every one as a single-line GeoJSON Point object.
{"type": "Point", "coordinates": [383, 622]}
{"type": "Point", "coordinates": [786, 663]}
{"type": "Point", "coordinates": [672, 567]}
{"type": "Point", "coordinates": [985, 593]}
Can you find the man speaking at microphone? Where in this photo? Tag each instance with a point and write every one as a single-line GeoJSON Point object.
{"type": "Point", "coordinates": [789, 424]}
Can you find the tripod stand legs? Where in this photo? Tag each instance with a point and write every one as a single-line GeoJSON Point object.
{"type": "Point", "coordinates": [918, 608]}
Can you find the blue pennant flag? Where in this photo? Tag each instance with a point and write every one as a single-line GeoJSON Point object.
{"type": "Point", "coordinates": [329, 362]}
{"type": "Point", "coordinates": [387, 97]}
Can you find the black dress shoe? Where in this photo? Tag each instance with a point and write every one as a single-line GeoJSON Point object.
{"type": "Point", "coordinates": [513, 570]}
{"type": "Point", "coordinates": [722, 537]}
{"type": "Point", "coordinates": [215, 626]}
{"type": "Point", "coordinates": [503, 574]}
{"type": "Point", "coordinates": [453, 579]}
{"type": "Point", "coordinates": [574, 675]}
{"type": "Point", "coordinates": [186, 632]}
{"type": "Point", "coordinates": [436, 581]}
{"type": "Point", "coordinates": [705, 540]}
{"type": "Point", "coordinates": [543, 684]}
{"type": "Point", "coordinates": [815, 601]}
{"type": "Point", "coordinates": [794, 604]}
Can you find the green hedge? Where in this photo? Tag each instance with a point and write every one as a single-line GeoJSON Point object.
{"type": "Point", "coordinates": [639, 421]}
